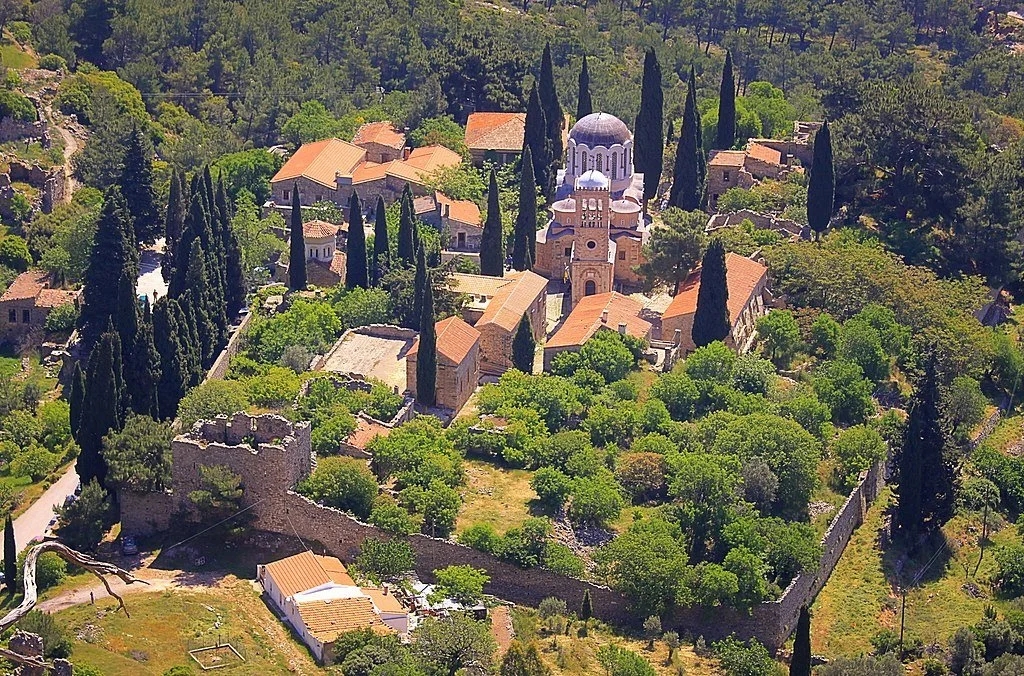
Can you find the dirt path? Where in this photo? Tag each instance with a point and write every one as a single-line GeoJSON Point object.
{"type": "Point", "coordinates": [158, 580]}
{"type": "Point", "coordinates": [501, 627]}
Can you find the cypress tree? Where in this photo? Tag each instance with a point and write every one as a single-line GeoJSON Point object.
{"type": "Point", "coordinates": [406, 229]}
{"type": "Point", "coordinates": [381, 248]}
{"type": "Point", "coordinates": [174, 367]}
{"type": "Point", "coordinates": [492, 241]}
{"type": "Point", "coordinates": [234, 276]}
{"type": "Point", "coordinates": [687, 191]}
{"type": "Point", "coordinates": [297, 249]}
{"type": "Point", "coordinates": [195, 229]}
{"type": "Point", "coordinates": [104, 401]}
{"type": "Point", "coordinates": [553, 114]}
{"type": "Point", "coordinates": [76, 398]}
{"type": "Point", "coordinates": [648, 141]}
{"type": "Point", "coordinates": [419, 284]}
{"type": "Point", "coordinates": [174, 222]}
{"type": "Point", "coordinates": [110, 257]}
{"type": "Point", "coordinates": [126, 318]}
{"type": "Point", "coordinates": [525, 228]}
{"type": "Point", "coordinates": [800, 664]}
{"type": "Point", "coordinates": [426, 356]}
{"type": "Point", "coordinates": [355, 247]}
{"type": "Point", "coordinates": [584, 105]}
{"type": "Point", "coordinates": [196, 298]}
{"type": "Point", "coordinates": [190, 337]}
{"type": "Point", "coordinates": [137, 186]}
{"type": "Point", "coordinates": [524, 347]}
{"type": "Point", "coordinates": [698, 142]}
{"type": "Point", "coordinates": [725, 137]}
{"type": "Point", "coordinates": [821, 187]}
{"type": "Point", "coordinates": [535, 138]}
{"type": "Point", "coordinates": [142, 373]}
{"type": "Point", "coordinates": [587, 607]}
{"type": "Point", "coordinates": [10, 555]}
{"type": "Point", "coordinates": [711, 319]}
{"type": "Point", "coordinates": [671, 133]}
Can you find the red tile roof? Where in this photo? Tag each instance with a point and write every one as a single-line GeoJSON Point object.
{"type": "Point", "coordinates": [764, 153]}
{"type": "Point", "coordinates": [511, 301]}
{"type": "Point", "coordinates": [462, 211]}
{"type": "Point", "coordinates": [381, 133]}
{"type": "Point", "coordinates": [304, 571]}
{"type": "Point", "coordinates": [586, 319]}
{"type": "Point", "coordinates": [35, 285]}
{"type": "Point", "coordinates": [495, 131]}
{"type": "Point", "coordinates": [321, 161]}
{"type": "Point", "coordinates": [455, 339]}
{"type": "Point", "coordinates": [318, 229]}
{"type": "Point", "coordinates": [422, 162]}
{"type": "Point", "coordinates": [370, 171]}
{"type": "Point", "coordinates": [366, 431]}
{"type": "Point", "coordinates": [742, 276]}
{"type": "Point", "coordinates": [728, 158]}
{"type": "Point", "coordinates": [325, 620]}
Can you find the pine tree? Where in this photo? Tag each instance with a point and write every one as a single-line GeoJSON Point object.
{"type": "Point", "coordinates": [584, 105]}
{"type": "Point", "coordinates": [687, 191]}
{"type": "Point", "coordinates": [406, 229]}
{"type": "Point", "coordinates": [520, 660]}
{"type": "Point", "coordinates": [648, 142]}
{"type": "Point", "coordinates": [355, 250]}
{"type": "Point", "coordinates": [800, 664]}
{"type": "Point", "coordinates": [174, 222]}
{"type": "Point", "coordinates": [426, 355]}
{"type": "Point", "coordinates": [726, 130]}
{"type": "Point", "coordinates": [142, 373]}
{"type": "Point", "coordinates": [821, 187]}
{"type": "Point", "coordinates": [524, 347]}
{"type": "Point", "coordinates": [104, 401]}
{"type": "Point", "coordinates": [174, 367]}
{"type": "Point", "coordinates": [553, 114]}
{"type": "Point", "coordinates": [76, 399]}
{"type": "Point", "coordinates": [381, 248]}
{"type": "Point", "coordinates": [297, 249]}
{"type": "Point", "coordinates": [492, 242]}
{"type": "Point", "coordinates": [526, 219]}
{"type": "Point", "coordinates": [10, 555]}
{"type": "Point", "coordinates": [112, 255]}
{"type": "Point", "coordinates": [419, 283]}
{"type": "Point", "coordinates": [535, 138]}
{"type": "Point", "coordinates": [587, 607]}
{"type": "Point", "coordinates": [711, 318]}
{"type": "Point", "coordinates": [235, 285]}
{"type": "Point", "coordinates": [137, 186]}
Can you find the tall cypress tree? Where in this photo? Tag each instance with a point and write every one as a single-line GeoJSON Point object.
{"type": "Point", "coordinates": [142, 370]}
{"type": "Point", "coordinates": [426, 355]}
{"type": "Point", "coordinates": [174, 367]}
{"type": "Point", "coordinates": [192, 344]}
{"type": "Point", "coordinates": [126, 317]}
{"type": "Point", "coordinates": [104, 401]}
{"type": "Point", "coordinates": [297, 248]}
{"type": "Point", "coordinates": [698, 143]}
{"type": "Point", "coordinates": [492, 241]}
{"type": "Point", "coordinates": [137, 186]}
{"type": "Point", "coordinates": [670, 134]}
{"type": "Point", "coordinates": [524, 347]}
{"type": "Point", "coordinates": [686, 191]}
{"type": "Point", "coordinates": [535, 138]}
{"type": "Point", "coordinates": [174, 222]}
{"type": "Point", "coordinates": [195, 229]}
{"type": "Point", "coordinates": [235, 284]}
{"type": "Point", "coordinates": [406, 229]}
{"type": "Point", "coordinates": [553, 114]}
{"type": "Point", "coordinates": [821, 188]}
{"type": "Point", "coordinates": [381, 248]}
{"type": "Point", "coordinates": [800, 664]}
{"type": "Point", "coordinates": [76, 399]}
{"type": "Point", "coordinates": [419, 283]}
{"type": "Point", "coordinates": [711, 319]}
{"type": "Point", "coordinates": [725, 137]}
{"type": "Point", "coordinates": [355, 248]}
{"type": "Point", "coordinates": [648, 139]}
{"type": "Point", "coordinates": [10, 555]}
{"type": "Point", "coordinates": [587, 607]}
{"type": "Point", "coordinates": [196, 297]}
{"type": "Point", "coordinates": [112, 255]}
{"type": "Point", "coordinates": [584, 105]}
{"type": "Point", "coordinates": [526, 219]}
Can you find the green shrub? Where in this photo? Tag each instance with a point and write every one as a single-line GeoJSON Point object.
{"type": "Point", "coordinates": [53, 62]}
{"type": "Point", "coordinates": [56, 642]}
{"type": "Point", "coordinates": [13, 104]}
{"type": "Point", "coordinates": [21, 31]}
{"type": "Point", "coordinates": [61, 318]}
{"type": "Point", "coordinates": [342, 483]}
{"type": "Point", "coordinates": [1010, 575]}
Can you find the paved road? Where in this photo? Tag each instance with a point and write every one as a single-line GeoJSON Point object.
{"type": "Point", "coordinates": [33, 522]}
{"type": "Point", "coordinates": [151, 283]}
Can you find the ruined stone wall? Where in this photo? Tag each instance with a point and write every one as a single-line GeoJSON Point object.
{"type": "Point", "coordinates": [220, 367]}
{"type": "Point", "coordinates": [145, 513]}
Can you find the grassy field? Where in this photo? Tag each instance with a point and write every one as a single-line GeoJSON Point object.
{"type": "Point", "coordinates": [495, 495]}
{"type": "Point", "coordinates": [14, 57]}
{"type": "Point", "coordinates": [164, 626]}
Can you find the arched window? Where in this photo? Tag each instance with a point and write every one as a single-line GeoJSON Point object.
{"type": "Point", "coordinates": [590, 288]}
{"type": "Point", "coordinates": [597, 159]}
{"type": "Point", "coordinates": [615, 165]}
{"type": "Point", "coordinates": [593, 204]}
{"type": "Point", "coordinates": [584, 162]}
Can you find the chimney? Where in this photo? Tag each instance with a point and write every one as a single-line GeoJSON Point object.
{"type": "Point", "coordinates": [622, 328]}
{"type": "Point", "coordinates": [406, 151]}
{"type": "Point", "coordinates": [604, 316]}
{"type": "Point", "coordinates": [678, 337]}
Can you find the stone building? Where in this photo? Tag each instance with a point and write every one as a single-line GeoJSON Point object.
{"type": "Point", "coordinates": [495, 305]}
{"type": "Point", "coordinates": [325, 256]}
{"type": "Point", "coordinates": [381, 141]}
{"type": "Point", "coordinates": [609, 311]}
{"type": "Point", "coordinates": [458, 220]}
{"type": "Point", "coordinates": [27, 302]}
{"type": "Point", "coordinates": [495, 137]}
{"type": "Point", "coordinates": [743, 168]}
{"type": "Point", "coordinates": [747, 282]}
{"type": "Point", "coordinates": [597, 229]}
{"type": "Point", "coordinates": [458, 363]}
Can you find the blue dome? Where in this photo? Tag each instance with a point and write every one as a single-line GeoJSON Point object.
{"type": "Point", "coordinates": [600, 129]}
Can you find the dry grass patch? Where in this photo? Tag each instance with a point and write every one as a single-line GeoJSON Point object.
{"type": "Point", "coordinates": [495, 495]}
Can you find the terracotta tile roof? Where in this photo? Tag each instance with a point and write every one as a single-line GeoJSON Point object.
{"type": "Point", "coordinates": [318, 229]}
{"type": "Point", "coordinates": [728, 158]}
{"type": "Point", "coordinates": [455, 339]}
{"type": "Point", "coordinates": [495, 131]}
{"type": "Point", "coordinates": [386, 602]}
{"type": "Point", "coordinates": [370, 171]}
{"type": "Point", "coordinates": [326, 619]}
{"type": "Point", "coordinates": [424, 205]}
{"type": "Point", "coordinates": [512, 301]}
{"type": "Point", "coordinates": [51, 298]}
{"type": "Point", "coordinates": [381, 133]}
{"type": "Point", "coordinates": [34, 285]}
{"type": "Point", "coordinates": [586, 319]}
{"type": "Point", "coordinates": [423, 162]}
{"type": "Point", "coordinates": [304, 571]}
{"type": "Point", "coordinates": [764, 153]}
{"type": "Point", "coordinates": [462, 211]}
{"type": "Point", "coordinates": [742, 276]}
{"type": "Point", "coordinates": [366, 431]}
{"type": "Point", "coordinates": [321, 161]}
{"type": "Point", "coordinates": [479, 285]}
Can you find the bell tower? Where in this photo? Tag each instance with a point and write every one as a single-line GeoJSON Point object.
{"type": "Point", "coordinates": [593, 258]}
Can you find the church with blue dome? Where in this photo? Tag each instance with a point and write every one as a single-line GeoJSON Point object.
{"type": "Point", "coordinates": [597, 229]}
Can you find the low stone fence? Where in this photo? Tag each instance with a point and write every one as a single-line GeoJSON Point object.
{"type": "Point", "coordinates": [220, 367]}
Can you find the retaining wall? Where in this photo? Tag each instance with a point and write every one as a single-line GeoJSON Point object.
{"type": "Point", "coordinates": [220, 367]}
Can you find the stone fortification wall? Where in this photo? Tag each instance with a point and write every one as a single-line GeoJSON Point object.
{"type": "Point", "coordinates": [220, 367]}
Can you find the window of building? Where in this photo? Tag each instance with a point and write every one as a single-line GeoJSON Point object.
{"type": "Point", "coordinates": [597, 160]}
{"type": "Point", "coordinates": [12, 316]}
{"type": "Point", "coordinates": [622, 255]}
{"type": "Point", "coordinates": [615, 164]}
{"type": "Point", "coordinates": [287, 194]}
{"type": "Point", "coordinates": [462, 240]}
{"type": "Point", "coordinates": [584, 163]}
{"type": "Point", "coordinates": [568, 251]}
{"type": "Point", "coordinates": [725, 177]}
{"type": "Point", "coordinates": [591, 244]}
{"type": "Point", "coordinates": [26, 316]}
{"type": "Point", "coordinates": [590, 288]}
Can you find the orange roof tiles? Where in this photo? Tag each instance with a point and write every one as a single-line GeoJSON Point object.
{"type": "Point", "coordinates": [742, 276]}
{"type": "Point", "coordinates": [381, 133]}
{"type": "Point", "coordinates": [424, 205]}
{"type": "Point", "coordinates": [366, 431]}
{"type": "Point", "coordinates": [304, 571]}
{"type": "Point", "coordinates": [321, 161]}
{"type": "Point", "coordinates": [495, 131]}
{"type": "Point", "coordinates": [423, 162]}
{"type": "Point", "coordinates": [463, 211]}
{"type": "Point", "coordinates": [385, 602]}
{"type": "Point", "coordinates": [318, 229]}
{"type": "Point", "coordinates": [455, 339]}
{"type": "Point", "coordinates": [764, 153]}
{"type": "Point", "coordinates": [586, 319]}
{"type": "Point", "coordinates": [34, 285]}
{"type": "Point", "coordinates": [325, 620]}
{"type": "Point", "coordinates": [511, 301]}
{"type": "Point", "coordinates": [728, 158]}
{"type": "Point", "coordinates": [479, 285]}
{"type": "Point", "coordinates": [370, 171]}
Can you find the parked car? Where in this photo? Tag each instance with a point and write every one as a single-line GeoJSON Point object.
{"type": "Point", "coordinates": [70, 499]}
{"type": "Point", "coordinates": [50, 526]}
{"type": "Point", "coordinates": [128, 546]}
